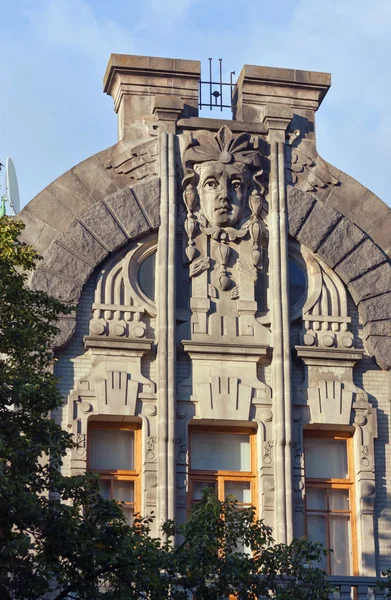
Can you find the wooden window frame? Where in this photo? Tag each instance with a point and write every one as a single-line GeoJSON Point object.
{"type": "Point", "coordinates": [220, 477]}
{"type": "Point", "coordinates": [120, 475]}
{"type": "Point", "coordinates": [336, 484]}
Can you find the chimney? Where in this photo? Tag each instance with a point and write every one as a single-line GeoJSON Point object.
{"type": "Point", "coordinates": [152, 89]}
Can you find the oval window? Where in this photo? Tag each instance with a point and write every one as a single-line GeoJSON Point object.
{"type": "Point", "coordinates": [297, 283]}
{"type": "Point", "coordinates": [146, 276]}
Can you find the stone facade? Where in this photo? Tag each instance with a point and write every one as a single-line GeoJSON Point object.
{"type": "Point", "coordinates": [178, 246]}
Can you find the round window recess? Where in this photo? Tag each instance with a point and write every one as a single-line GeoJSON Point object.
{"type": "Point", "coordinates": [147, 276]}
{"type": "Point", "coordinates": [297, 284]}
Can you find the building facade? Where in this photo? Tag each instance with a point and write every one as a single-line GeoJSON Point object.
{"type": "Point", "coordinates": [233, 311]}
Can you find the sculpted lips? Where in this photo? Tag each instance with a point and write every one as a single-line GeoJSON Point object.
{"type": "Point", "coordinates": [224, 208]}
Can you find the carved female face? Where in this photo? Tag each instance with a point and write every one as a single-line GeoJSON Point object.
{"type": "Point", "coordinates": [222, 189]}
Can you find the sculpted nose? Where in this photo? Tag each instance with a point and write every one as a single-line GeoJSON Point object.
{"type": "Point", "coordinates": [223, 195]}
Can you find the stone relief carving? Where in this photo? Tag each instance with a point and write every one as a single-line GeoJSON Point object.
{"type": "Point", "coordinates": [224, 398]}
{"type": "Point", "coordinates": [330, 402]}
{"type": "Point", "coordinates": [307, 170]}
{"type": "Point", "coordinates": [325, 313]}
{"type": "Point", "coordinates": [223, 190]}
{"type": "Point", "coordinates": [137, 162]}
{"type": "Point", "coordinates": [121, 308]}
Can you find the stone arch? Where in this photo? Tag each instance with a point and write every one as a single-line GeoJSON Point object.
{"type": "Point", "coordinates": [352, 251]}
{"type": "Point", "coordinates": [89, 238]}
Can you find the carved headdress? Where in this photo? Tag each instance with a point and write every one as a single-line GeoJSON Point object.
{"type": "Point", "coordinates": [224, 148]}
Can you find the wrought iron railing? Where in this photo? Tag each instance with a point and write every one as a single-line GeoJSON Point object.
{"type": "Point", "coordinates": [219, 92]}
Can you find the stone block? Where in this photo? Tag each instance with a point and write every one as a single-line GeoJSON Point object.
{"type": "Point", "coordinates": [342, 239]}
{"type": "Point", "coordinates": [80, 241]}
{"type": "Point", "coordinates": [299, 205]}
{"type": "Point", "coordinates": [148, 195]}
{"type": "Point", "coordinates": [95, 178]}
{"type": "Point", "coordinates": [50, 209]}
{"type": "Point", "coordinates": [99, 220]}
{"type": "Point", "coordinates": [62, 261]}
{"type": "Point", "coordinates": [317, 225]}
{"type": "Point", "coordinates": [365, 257]}
{"type": "Point", "coordinates": [369, 211]}
{"type": "Point", "coordinates": [128, 213]}
{"type": "Point", "coordinates": [346, 196]}
{"type": "Point", "coordinates": [66, 329]}
{"type": "Point", "coordinates": [373, 283]}
{"type": "Point", "coordinates": [375, 309]}
{"type": "Point", "coordinates": [381, 232]}
{"type": "Point", "coordinates": [45, 238]}
{"type": "Point", "coordinates": [69, 189]}
{"type": "Point", "coordinates": [34, 226]}
{"type": "Point", "coordinates": [65, 290]}
{"type": "Point", "coordinates": [380, 348]}
{"type": "Point", "coordinates": [378, 328]}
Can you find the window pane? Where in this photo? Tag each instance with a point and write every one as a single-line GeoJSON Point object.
{"type": "Point", "coordinates": [240, 489]}
{"type": "Point", "coordinates": [339, 499]}
{"type": "Point", "coordinates": [325, 458]}
{"type": "Point", "coordinates": [340, 543]}
{"type": "Point", "coordinates": [220, 452]}
{"type": "Point", "coordinates": [104, 488]}
{"type": "Point", "coordinates": [316, 499]}
{"type": "Point", "coordinates": [200, 486]}
{"type": "Point", "coordinates": [111, 449]}
{"type": "Point", "coordinates": [146, 276]}
{"type": "Point", "coordinates": [316, 532]}
{"type": "Point", "coordinates": [297, 283]}
{"type": "Point", "coordinates": [124, 491]}
{"type": "Point", "coordinates": [129, 514]}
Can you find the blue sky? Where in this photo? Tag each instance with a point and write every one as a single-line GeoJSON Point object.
{"type": "Point", "coordinates": [53, 54]}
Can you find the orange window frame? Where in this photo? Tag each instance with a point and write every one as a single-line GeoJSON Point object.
{"type": "Point", "coordinates": [220, 477]}
{"type": "Point", "coordinates": [112, 475]}
{"type": "Point", "coordinates": [336, 484]}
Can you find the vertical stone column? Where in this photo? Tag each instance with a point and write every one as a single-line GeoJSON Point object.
{"type": "Point", "coordinates": [276, 119]}
{"type": "Point", "coordinates": [165, 332]}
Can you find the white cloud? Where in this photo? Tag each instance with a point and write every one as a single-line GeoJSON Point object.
{"type": "Point", "coordinates": [73, 25]}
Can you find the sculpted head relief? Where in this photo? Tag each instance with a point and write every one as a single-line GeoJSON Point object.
{"type": "Point", "coordinates": [221, 170]}
{"type": "Point", "coordinates": [222, 189]}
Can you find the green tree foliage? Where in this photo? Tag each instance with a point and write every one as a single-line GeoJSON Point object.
{"type": "Point", "coordinates": [57, 533]}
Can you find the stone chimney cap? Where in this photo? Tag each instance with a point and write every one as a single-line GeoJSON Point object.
{"type": "Point", "coordinates": [257, 87]}
{"type": "Point", "coordinates": [294, 76]}
{"type": "Point", "coordinates": [132, 63]}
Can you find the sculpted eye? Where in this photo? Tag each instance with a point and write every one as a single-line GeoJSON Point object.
{"type": "Point", "coordinates": [211, 183]}
{"type": "Point", "coordinates": [237, 184]}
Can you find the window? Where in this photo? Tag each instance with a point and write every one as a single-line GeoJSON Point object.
{"type": "Point", "coordinates": [297, 283]}
{"type": "Point", "coordinates": [114, 453]}
{"type": "Point", "coordinates": [146, 275]}
{"type": "Point", "coordinates": [329, 499]}
{"type": "Point", "coordinates": [223, 460]}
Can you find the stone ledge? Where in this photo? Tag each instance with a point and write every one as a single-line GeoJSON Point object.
{"type": "Point", "coordinates": [213, 348]}
{"type": "Point", "coordinates": [117, 344]}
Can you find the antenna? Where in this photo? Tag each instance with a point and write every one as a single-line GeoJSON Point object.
{"type": "Point", "coordinates": [11, 186]}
